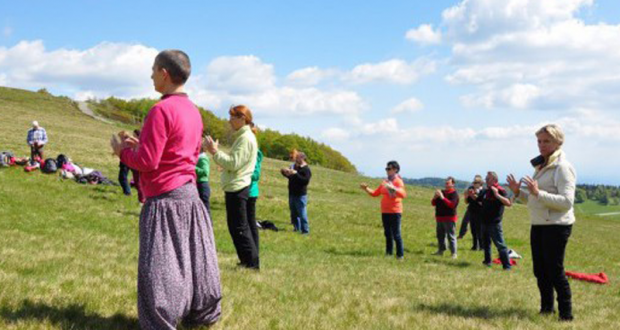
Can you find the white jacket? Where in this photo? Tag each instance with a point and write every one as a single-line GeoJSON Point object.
{"type": "Point", "coordinates": [554, 203]}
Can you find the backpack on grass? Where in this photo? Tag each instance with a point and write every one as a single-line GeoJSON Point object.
{"type": "Point", "coordinates": [50, 166]}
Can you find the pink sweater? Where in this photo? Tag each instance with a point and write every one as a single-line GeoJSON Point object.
{"type": "Point", "coordinates": [169, 146]}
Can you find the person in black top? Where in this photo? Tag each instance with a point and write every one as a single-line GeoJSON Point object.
{"type": "Point", "coordinates": [472, 215]}
{"type": "Point", "coordinates": [493, 200]}
{"type": "Point", "coordinates": [298, 180]}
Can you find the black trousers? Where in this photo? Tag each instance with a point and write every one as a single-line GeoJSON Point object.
{"type": "Point", "coordinates": [252, 220]}
{"type": "Point", "coordinates": [476, 230]}
{"type": "Point", "coordinates": [239, 227]}
{"type": "Point", "coordinates": [548, 250]}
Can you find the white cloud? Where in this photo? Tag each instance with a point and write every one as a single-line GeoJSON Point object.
{"type": "Point", "coordinates": [335, 134]}
{"type": "Point", "coordinates": [248, 80]}
{"type": "Point", "coordinates": [532, 54]}
{"type": "Point", "coordinates": [118, 69]}
{"type": "Point", "coordinates": [393, 71]}
{"type": "Point", "coordinates": [309, 76]}
{"type": "Point", "coordinates": [387, 126]}
{"type": "Point", "coordinates": [424, 34]}
{"type": "Point", "coordinates": [408, 106]}
{"type": "Point", "coordinates": [240, 74]}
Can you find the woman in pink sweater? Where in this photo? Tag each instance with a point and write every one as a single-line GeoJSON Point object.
{"type": "Point", "coordinates": [393, 191]}
{"type": "Point", "coordinates": [178, 274]}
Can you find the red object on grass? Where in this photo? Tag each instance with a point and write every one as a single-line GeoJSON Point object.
{"type": "Point", "coordinates": [499, 261]}
{"type": "Point", "coordinates": [600, 278]}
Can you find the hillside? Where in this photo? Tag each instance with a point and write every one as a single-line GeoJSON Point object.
{"type": "Point", "coordinates": [68, 252]}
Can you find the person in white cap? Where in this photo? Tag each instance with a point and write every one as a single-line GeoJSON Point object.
{"type": "Point", "coordinates": [37, 138]}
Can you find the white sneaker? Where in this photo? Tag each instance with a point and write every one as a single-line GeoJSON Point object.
{"type": "Point", "coordinates": [454, 256]}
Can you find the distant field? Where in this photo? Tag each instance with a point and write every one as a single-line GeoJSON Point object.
{"type": "Point", "coordinates": [594, 208]}
{"type": "Point", "coordinates": [68, 252]}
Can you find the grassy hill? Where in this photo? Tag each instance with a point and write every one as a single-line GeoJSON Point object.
{"type": "Point", "coordinates": [68, 252]}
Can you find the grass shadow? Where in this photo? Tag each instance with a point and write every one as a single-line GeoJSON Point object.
{"type": "Point", "coordinates": [477, 312]}
{"type": "Point", "coordinates": [448, 262]}
{"type": "Point", "coordinates": [353, 253]}
{"type": "Point", "coordinates": [73, 316]}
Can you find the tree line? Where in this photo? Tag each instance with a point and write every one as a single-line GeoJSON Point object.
{"type": "Point", "coordinates": [603, 194]}
{"type": "Point", "coordinates": [272, 143]}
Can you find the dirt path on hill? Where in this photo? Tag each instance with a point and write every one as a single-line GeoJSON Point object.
{"type": "Point", "coordinates": [83, 106]}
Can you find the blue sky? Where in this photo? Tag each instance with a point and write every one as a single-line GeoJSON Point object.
{"type": "Point", "coordinates": [444, 87]}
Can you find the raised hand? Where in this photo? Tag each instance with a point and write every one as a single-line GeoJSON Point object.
{"type": "Point", "coordinates": [532, 185]}
{"type": "Point", "coordinates": [210, 144]}
{"type": "Point", "coordinates": [513, 184]}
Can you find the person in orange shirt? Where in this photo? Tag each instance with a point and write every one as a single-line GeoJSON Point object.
{"type": "Point", "coordinates": [393, 191]}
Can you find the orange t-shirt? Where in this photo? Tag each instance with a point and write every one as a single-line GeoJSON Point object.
{"type": "Point", "coordinates": [391, 203]}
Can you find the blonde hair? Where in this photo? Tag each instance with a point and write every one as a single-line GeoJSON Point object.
{"type": "Point", "coordinates": [554, 131]}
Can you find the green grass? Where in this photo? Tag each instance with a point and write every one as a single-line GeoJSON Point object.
{"type": "Point", "coordinates": [68, 252]}
{"type": "Point", "coordinates": [595, 208]}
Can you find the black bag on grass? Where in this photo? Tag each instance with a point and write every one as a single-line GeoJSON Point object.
{"type": "Point", "coordinates": [50, 166]}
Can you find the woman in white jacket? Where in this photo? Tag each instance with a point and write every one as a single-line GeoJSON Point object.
{"type": "Point", "coordinates": [550, 196]}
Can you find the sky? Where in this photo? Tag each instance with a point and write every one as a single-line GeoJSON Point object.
{"type": "Point", "coordinates": [444, 87]}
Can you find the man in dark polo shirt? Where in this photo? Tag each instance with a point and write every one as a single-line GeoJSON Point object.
{"type": "Point", "coordinates": [493, 200]}
{"type": "Point", "coordinates": [445, 203]}
{"type": "Point", "coordinates": [298, 180]}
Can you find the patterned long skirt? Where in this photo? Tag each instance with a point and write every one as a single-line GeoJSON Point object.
{"type": "Point", "coordinates": [178, 274]}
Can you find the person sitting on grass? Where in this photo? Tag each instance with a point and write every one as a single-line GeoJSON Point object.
{"type": "Point", "coordinates": [393, 191]}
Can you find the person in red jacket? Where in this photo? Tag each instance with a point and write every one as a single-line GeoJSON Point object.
{"type": "Point", "coordinates": [393, 191]}
{"type": "Point", "coordinates": [445, 203]}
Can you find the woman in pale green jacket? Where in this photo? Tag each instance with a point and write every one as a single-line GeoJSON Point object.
{"type": "Point", "coordinates": [238, 166]}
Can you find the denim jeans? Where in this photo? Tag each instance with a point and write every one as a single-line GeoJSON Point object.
{"type": "Point", "coordinates": [391, 229]}
{"type": "Point", "coordinates": [493, 232]}
{"type": "Point", "coordinates": [123, 173]}
{"type": "Point", "coordinates": [548, 250]}
{"type": "Point", "coordinates": [299, 214]}
{"type": "Point", "coordinates": [204, 191]}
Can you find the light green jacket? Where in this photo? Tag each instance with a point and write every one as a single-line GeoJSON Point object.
{"type": "Point", "coordinates": [239, 164]}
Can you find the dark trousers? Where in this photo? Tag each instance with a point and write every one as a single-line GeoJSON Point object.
{"type": "Point", "coordinates": [123, 172]}
{"type": "Point", "coordinates": [548, 250]}
{"type": "Point", "coordinates": [36, 150]}
{"type": "Point", "coordinates": [136, 181]}
{"type": "Point", "coordinates": [252, 219]}
{"type": "Point", "coordinates": [204, 191]}
{"type": "Point", "coordinates": [239, 228]}
{"type": "Point", "coordinates": [476, 230]}
{"type": "Point", "coordinates": [493, 232]}
{"type": "Point", "coordinates": [464, 223]}
{"type": "Point", "coordinates": [391, 229]}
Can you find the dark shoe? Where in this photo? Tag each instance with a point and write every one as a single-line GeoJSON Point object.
{"type": "Point", "coordinates": [474, 248]}
{"type": "Point", "coordinates": [545, 311]}
{"type": "Point", "coordinates": [488, 264]}
{"type": "Point", "coordinates": [460, 237]}
{"type": "Point", "coordinates": [566, 318]}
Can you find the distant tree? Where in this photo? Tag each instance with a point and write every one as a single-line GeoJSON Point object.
{"type": "Point", "coordinates": [580, 195]}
